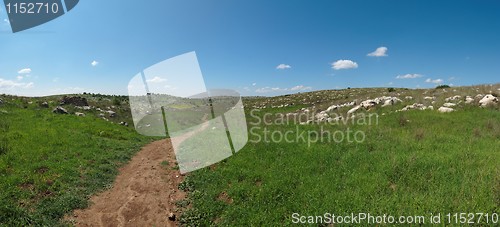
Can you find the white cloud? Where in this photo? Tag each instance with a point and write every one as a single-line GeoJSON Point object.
{"type": "Point", "coordinates": [283, 66]}
{"type": "Point", "coordinates": [436, 81]}
{"type": "Point", "coordinates": [344, 64]}
{"type": "Point", "coordinates": [156, 79]}
{"type": "Point", "coordinates": [19, 77]}
{"type": "Point", "coordinates": [278, 89]}
{"type": "Point", "coordinates": [6, 21]}
{"type": "Point", "coordinates": [253, 84]}
{"type": "Point", "coordinates": [55, 80]}
{"type": "Point", "coordinates": [9, 84]}
{"type": "Point", "coordinates": [408, 76]}
{"type": "Point", "coordinates": [94, 63]}
{"type": "Point", "coordinates": [300, 88]}
{"type": "Point", "coordinates": [24, 71]}
{"type": "Point", "coordinates": [68, 90]}
{"type": "Point", "coordinates": [270, 89]}
{"type": "Point", "coordinates": [379, 52]}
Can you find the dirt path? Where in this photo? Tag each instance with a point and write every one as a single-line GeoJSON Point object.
{"type": "Point", "coordinates": [143, 194]}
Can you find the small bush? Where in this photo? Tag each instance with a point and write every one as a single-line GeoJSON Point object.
{"type": "Point", "coordinates": [443, 86]}
{"type": "Point", "coordinates": [117, 102]}
{"type": "Point", "coordinates": [391, 89]}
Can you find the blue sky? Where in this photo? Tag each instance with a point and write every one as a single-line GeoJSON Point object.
{"type": "Point", "coordinates": [240, 45]}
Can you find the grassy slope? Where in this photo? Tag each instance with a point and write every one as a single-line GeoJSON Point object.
{"type": "Point", "coordinates": [50, 164]}
{"type": "Point", "coordinates": [412, 163]}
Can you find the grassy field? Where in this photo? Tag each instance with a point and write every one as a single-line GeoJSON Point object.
{"type": "Point", "coordinates": [414, 162]}
{"type": "Point", "coordinates": [410, 163]}
{"type": "Point", "coordinates": [50, 164]}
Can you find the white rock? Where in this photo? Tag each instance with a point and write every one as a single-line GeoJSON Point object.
{"type": "Point", "coordinates": [449, 104]}
{"type": "Point", "coordinates": [351, 111]}
{"type": "Point", "coordinates": [334, 107]}
{"type": "Point", "coordinates": [453, 98]}
{"type": "Point", "coordinates": [445, 109]}
{"type": "Point", "coordinates": [469, 100]}
{"type": "Point", "coordinates": [488, 100]}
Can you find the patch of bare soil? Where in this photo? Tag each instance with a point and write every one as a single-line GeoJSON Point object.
{"type": "Point", "coordinates": [143, 194]}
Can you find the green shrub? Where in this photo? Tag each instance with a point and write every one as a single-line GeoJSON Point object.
{"type": "Point", "coordinates": [443, 86]}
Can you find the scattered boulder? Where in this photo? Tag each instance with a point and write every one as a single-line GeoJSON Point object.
{"type": "Point", "coordinates": [488, 100]}
{"type": "Point", "coordinates": [111, 113]}
{"type": "Point", "coordinates": [80, 114]}
{"type": "Point", "coordinates": [74, 100]}
{"type": "Point", "coordinates": [449, 104]}
{"type": "Point", "coordinates": [59, 110]}
{"type": "Point", "coordinates": [367, 104]}
{"type": "Point", "coordinates": [351, 111]}
{"type": "Point", "coordinates": [331, 108]}
{"type": "Point", "coordinates": [445, 109]}
{"type": "Point", "coordinates": [126, 124]}
{"type": "Point", "coordinates": [44, 105]}
{"type": "Point", "coordinates": [469, 100]}
{"type": "Point", "coordinates": [453, 98]}
{"type": "Point", "coordinates": [391, 101]}
{"type": "Point", "coordinates": [321, 116]}
{"type": "Point", "coordinates": [418, 106]}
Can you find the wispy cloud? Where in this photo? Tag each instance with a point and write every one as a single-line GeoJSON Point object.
{"type": "Point", "coordinates": [283, 66]}
{"type": "Point", "coordinates": [19, 77]}
{"type": "Point", "coordinates": [156, 79]}
{"type": "Point", "coordinates": [94, 63]}
{"type": "Point", "coordinates": [409, 76]}
{"type": "Point", "coordinates": [344, 64]}
{"type": "Point", "coordinates": [69, 90]}
{"type": "Point", "coordinates": [270, 89]}
{"type": "Point", "coordinates": [278, 89]}
{"type": "Point", "coordinates": [300, 88]}
{"type": "Point", "coordinates": [9, 84]}
{"type": "Point", "coordinates": [6, 21]}
{"type": "Point", "coordinates": [253, 84]}
{"type": "Point", "coordinates": [24, 71]}
{"type": "Point", "coordinates": [379, 52]}
{"type": "Point", "coordinates": [436, 81]}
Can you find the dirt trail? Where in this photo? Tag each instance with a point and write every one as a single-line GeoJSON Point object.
{"type": "Point", "coordinates": [144, 192]}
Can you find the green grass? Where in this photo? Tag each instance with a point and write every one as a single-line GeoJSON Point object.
{"type": "Point", "coordinates": [50, 164]}
{"type": "Point", "coordinates": [411, 163]}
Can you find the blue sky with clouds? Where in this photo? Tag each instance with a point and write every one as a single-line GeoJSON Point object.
{"type": "Point", "coordinates": [257, 47]}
